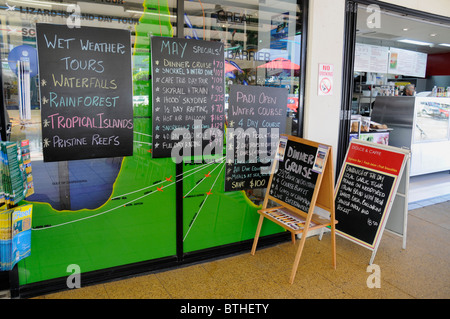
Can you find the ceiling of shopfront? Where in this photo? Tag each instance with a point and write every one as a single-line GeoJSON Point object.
{"type": "Point", "coordinates": [393, 27]}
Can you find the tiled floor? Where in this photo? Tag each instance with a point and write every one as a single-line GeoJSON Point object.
{"type": "Point", "coordinates": [419, 271]}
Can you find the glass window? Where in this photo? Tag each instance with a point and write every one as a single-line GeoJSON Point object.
{"type": "Point", "coordinates": [114, 208]}
{"type": "Point", "coordinates": [432, 119]}
{"type": "Point", "coordinates": [394, 51]}
{"type": "Point", "coordinates": [255, 34]}
{"type": "Point", "coordinates": [401, 55]}
{"type": "Point", "coordinates": [262, 43]}
{"type": "Point", "coordinates": [91, 181]}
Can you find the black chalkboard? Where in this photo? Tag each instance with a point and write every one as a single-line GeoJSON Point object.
{"type": "Point", "coordinates": [188, 95]}
{"type": "Point", "coordinates": [359, 205]}
{"type": "Point", "coordinates": [256, 118]}
{"type": "Point", "coordinates": [295, 178]}
{"type": "Point", "coordinates": [365, 190]}
{"type": "Point", "coordinates": [85, 92]}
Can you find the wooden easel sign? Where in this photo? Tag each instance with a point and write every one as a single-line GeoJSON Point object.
{"type": "Point", "coordinates": [366, 189]}
{"type": "Point", "coordinates": [301, 179]}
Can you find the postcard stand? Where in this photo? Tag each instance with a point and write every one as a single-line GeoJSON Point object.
{"type": "Point", "coordinates": [322, 196]}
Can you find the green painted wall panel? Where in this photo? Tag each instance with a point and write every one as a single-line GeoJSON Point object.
{"type": "Point", "coordinates": [213, 217]}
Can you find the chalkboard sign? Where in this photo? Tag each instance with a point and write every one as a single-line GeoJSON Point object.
{"type": "Point", "coordinates": [256, 118]}
{"type": "Point", "coordinates": [301, 180]}
{"type": "Point", "coordinates": [299, 165]}
{"type": "Point", "coordinates": [365, 190]}
{"type": "Point", "coordinates": [188, 95]}
{"type": "Point", "coordinates": [85, 91]}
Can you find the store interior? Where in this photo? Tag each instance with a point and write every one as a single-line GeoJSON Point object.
{"type": "Point", "coordinates": [426, 46]}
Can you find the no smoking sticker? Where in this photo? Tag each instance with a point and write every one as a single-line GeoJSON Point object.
{"type": "Point", "coordinates": [325, 86]}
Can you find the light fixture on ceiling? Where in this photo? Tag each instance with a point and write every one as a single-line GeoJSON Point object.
{"type": "Point", "coordinates": [433, 34]}
{"type": "Point", "coordinates": [415, 42]}
{"type": "Point", "coordinates": [405, 29]}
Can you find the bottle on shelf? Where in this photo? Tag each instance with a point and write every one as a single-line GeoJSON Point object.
{"type": "Point", "coordinates": [434, 91]}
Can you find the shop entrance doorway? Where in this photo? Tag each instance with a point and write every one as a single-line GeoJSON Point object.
{"type": "Point", "coordinates": [396, 87]}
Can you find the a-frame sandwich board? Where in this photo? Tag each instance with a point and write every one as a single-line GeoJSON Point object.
{"type": "Point", "coordinates": [301, 179]}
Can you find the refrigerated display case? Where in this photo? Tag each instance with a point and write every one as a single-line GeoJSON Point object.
{"type": "Point", "coordinates": [421, 124]}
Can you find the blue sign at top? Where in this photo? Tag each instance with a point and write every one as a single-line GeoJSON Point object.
{"type": "Point", "coordinates": [24, 53]}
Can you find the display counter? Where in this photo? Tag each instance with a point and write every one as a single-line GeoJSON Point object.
{"type": "Point", "coordinates": [421, 124]}
{"type": "Point", "coordinates": [364, 129]}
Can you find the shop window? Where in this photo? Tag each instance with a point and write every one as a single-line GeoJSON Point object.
{"type": "Point", "coordinates": [81, 184]}
{"type": "Point", "coordinates": [109, 212]}
{"type": "Point", "coordinates": [256, 35]}
{"type": "Point", "coordinates": [401, 91]}
{"type": "Point", "coordinates": [262, 43]}
{"type": "Point", "coordinates": [394, 52]}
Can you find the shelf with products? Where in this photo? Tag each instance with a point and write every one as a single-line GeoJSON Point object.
{"type": "Point", "coordinates": [368, 86]}
{"type": "Point", "coordinates": [364, 129]}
